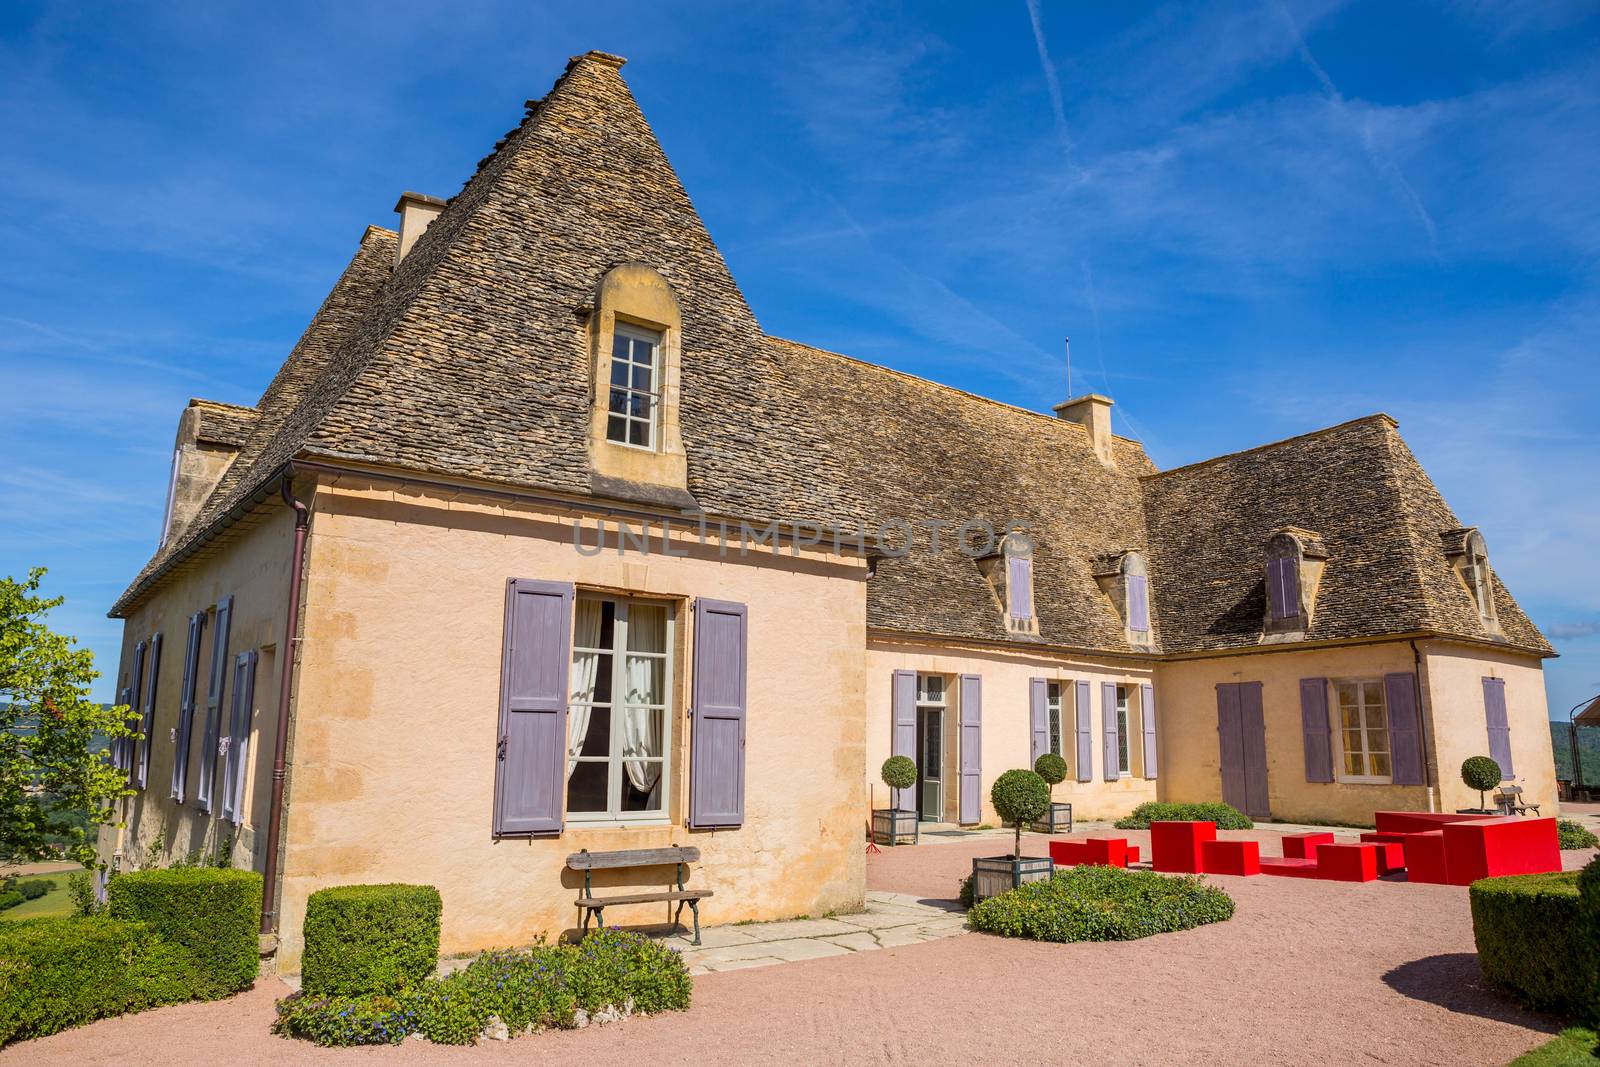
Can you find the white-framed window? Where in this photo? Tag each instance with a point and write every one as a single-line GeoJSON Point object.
{"type": "Point", "coordinates": [1052, 703]}
{"type": "Point", "coordinates": [618, 721]}
{"type": "Point", "coordinates": [1363, 731]}
{"type": "Point", "coordinates": [1122, 730]}
{"type": "Point", "coordinates": [634, 408]}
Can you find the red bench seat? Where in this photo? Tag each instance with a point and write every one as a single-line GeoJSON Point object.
{"type": "Point", "coordinates": [1103, 851]}
{"type": "Point", "coordinates": [1231, 857]}
{"type": "Point", "coordinates": [1289, 867]}
{"type": "Point", "coordinates": [1304, 846]}
{"type": "Point", "coordinates": [1347, 863]}
{"type": "Point", "coordinates": [1175, 846]}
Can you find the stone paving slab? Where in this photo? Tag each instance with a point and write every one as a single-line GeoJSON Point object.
{"type": "Point", "coordinates": [889, 920]}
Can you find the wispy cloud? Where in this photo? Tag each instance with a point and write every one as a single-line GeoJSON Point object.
{"type": "Point", "coordinates": [1568, 630]}
{"type": "Point", "coordinates": [1051, 82]}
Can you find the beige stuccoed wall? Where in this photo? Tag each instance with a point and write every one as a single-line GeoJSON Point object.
{"type": "Point", "coordinates": [1189, 730]}
{"type": "Point", "coordinates": [253, 567]}
{"type": "Point", "coordinates": [393, 754]}
{"type": "Point", "coordinates": [1454, 725]}
{"type": "Point", "coordinates": [1007, 727]}
{"type": "Point", "coordinates": [1455, 681]}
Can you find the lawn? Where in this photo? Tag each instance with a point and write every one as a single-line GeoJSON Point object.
{"type": "Point", "coordinates": [1571, 1048]}
{"type": "Point", "coordinates": [54, 903]}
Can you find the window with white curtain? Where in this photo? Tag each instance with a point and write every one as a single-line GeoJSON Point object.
{"type": "Point", "coordinates": [617, 721]}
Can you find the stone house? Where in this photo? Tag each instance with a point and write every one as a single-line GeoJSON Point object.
{"type": "Point", "coordinates": [537, 542]}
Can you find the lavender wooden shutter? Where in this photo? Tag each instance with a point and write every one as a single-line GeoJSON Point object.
{"type": "Point", "coordinates": [191, 678]}
{"type": "Point", "coordinates": [1138, 603]}
{"type": "Point", "coordinates": [1283, 587]}
{"type": "Point", "coordinates": [1019, 583]}
{"type": "Point", "coordinates": [237, 744]}
{"type": "Point", "coordinates": [1405, 729]}
{"type": "Point", "coordinates": [1494, 713]}
{"type": "Point", "coordinates": [716, 776]}
{"type": "Point", "coordinates": [1315, 732]}
{"type": "Point", "coordinates": [128, 747]}
{"type": "Point", "coordinates": [530, 771]}
{"type": "Point", "coordinates": [1108, 723]}
{"type": "Point", "coordinates": [141, 759]}
{"type": "Point", "coordinates": [214, 690]}
{"type": "Point", "coordinates": [1253, 725]}
{"type": "Point", "coordinates": [124, 696]}
{"type": "Point", "coordinates": [971, 748]}
{"type": "Point", "coordinates": [1039, 716]}
{"type": "Point", "coordinates": [1147, 710]}
{"type": "Point", "coordinates": [1085, 732]}
{"type": "Point", "coordinates": [1230, 744]}
{"type": "Point", "coordinates": [903, 739]}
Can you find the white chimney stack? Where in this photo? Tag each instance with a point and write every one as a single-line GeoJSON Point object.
{"type": "Point", "coordinates": [416, 211]}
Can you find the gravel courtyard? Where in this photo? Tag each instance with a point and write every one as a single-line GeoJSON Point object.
{"type": "Point", "coordinates": [1305, 973]}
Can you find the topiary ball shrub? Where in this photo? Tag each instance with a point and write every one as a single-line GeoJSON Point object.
{"type": "Point", "coordinates": [1225, 816]}
{"type": "Point", "coordinates": [370, 939]}
{"type": "Point", "coordinates": [60, 973]}
{"type": "Point", "coordinates": [1019, 797]}
{"type": "Point", "coordinates": [1575, 835]}
{"type": "Point", "coordinates": [1092, 903]}
{"type": "Point", "coordinates": [215, 914]}
{"type": "Point", "coordinates": [1536, 936]}
{"type": "Point", "coordinates": [1480, 773]}
{"type": "Point", "coordinates": [1052, 768]}
{"type": "Point", "coordinates": [899, 772]}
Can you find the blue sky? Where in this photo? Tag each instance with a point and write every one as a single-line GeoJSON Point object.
{"type": "Point", "coordinates": [1252, 219]}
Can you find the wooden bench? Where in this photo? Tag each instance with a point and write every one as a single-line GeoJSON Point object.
{"type": "Point", "coordinates": [1510, 801]}
{"type": "Point", "coordinates": [588, 862]}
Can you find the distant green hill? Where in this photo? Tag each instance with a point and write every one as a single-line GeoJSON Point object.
{"type": "Point", "coordinates": [1588, 745]}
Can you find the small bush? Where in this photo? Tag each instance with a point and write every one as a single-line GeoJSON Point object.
{"type": "Point", "coordinates": [1094, 903]}
{"type": "Point", "coordinates": [967, 895]}
{"type": "Point", "coordinates": [1536, 940]}
{"type": "Point", "coordinates": [1225, 816]}
{"type": "Point", "coordinates": [1575, 835]}
{"type": "Point", "coordinates": [899, 772]}
{"type": "Point", "coordinates": [1019, 797]}
{"type": "Point", "coordinates": [60, 973]}
{"type": "Point", "coordinates": [214, 914]}
{"type": "Point", "coordinates": [370, 939]}
{"type": "Point", "coordinates": [1480, 773]}
{"type": "Point", "coordinates": [10, 898]}
{"type": "Point", "coordinates": [80, 887]}
{"type": "Point", "coordinates": [1052, 768]}
{"type": "Point", "coordinates": [527, 989]}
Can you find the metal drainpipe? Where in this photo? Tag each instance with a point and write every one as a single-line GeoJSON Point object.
{"type": "Point", "coordinates": [302, 522]}
{"type": "Point", "coordinates": [1425, 716]}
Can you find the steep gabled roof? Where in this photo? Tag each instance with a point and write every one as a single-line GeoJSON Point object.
{"type": "Point", "coordinates": [1379, 518]}
{"type": "Point", "coordinates": [469, 359]}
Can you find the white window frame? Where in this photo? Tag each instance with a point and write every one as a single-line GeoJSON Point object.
{"type": "Point", "coordinates": [1124, 749]}
{"type": "Point", "coordinates": [614, 815]}
{"type": "Point", "coordinates": [1056, 733]}
{"type": "Point", "coordinates": [927, 701]}
{"type": "Point", "coordinates": [652, 421]}
{"type": "Point", "coordinates": [1337, 730]}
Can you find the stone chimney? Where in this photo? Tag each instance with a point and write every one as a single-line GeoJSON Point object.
{"type": "Point", "coordinates": [1093, 412]}
{"type": "Point", "coordinates": [416, 211]}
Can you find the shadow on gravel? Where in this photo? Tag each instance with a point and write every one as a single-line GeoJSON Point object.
{"type": "Point", "coordinates": [1454, 982]}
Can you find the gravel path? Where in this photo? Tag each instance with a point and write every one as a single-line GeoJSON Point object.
{"type": "Point", "coordinates": [1305, 973]}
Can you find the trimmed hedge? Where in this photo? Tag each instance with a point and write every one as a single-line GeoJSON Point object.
{"type": "Point", "coordinates": [214, 914]}
{"type": "Point", "coordinates": [362, 939]}
{"type": "Point", "coordinates": [1536, 938]}
{"type": "Point", "coordinates": [1225, 816]}
{"type": "Point", "coordinates": [60, 973]}
{"type": "Point", "coordinates": [610, 973]}
{"type": "Point", "coordinates": [1092, 903]}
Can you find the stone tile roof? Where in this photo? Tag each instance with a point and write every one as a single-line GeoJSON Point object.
{"type": "Point", "coordinates": [1378, 516]}
{"type": "Point", "coordinates": [469, 360]}
{"type": "Point", "coordinates": [223, 424]}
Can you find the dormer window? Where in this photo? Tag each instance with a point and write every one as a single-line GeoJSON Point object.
{"type": "Point", "coordinates": [635, 397]}
{"type": "Point", "coordinates": [1019, 588]}
{"type": "Point", "coordinates": [1124, 578]}
{"type": "Point", "coordinates": [1294, 565]}
{"type": "Point", "coordinates": [1010, 576]}
{"type": "Point", "coordinates": [1470, 560]}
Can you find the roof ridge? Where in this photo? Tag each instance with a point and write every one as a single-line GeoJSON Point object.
{"type": "Point", "coordinates": [942, 386]}
{"type": "Point", "coordinates": [1377, 416]}
{"type": "Point", "coordinates": [196, 401]}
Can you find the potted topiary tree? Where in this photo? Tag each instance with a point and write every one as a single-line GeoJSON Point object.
{"type": "Point", "coordinates": [1057, 817]}
{"type": "Point", "coordinates": [1019, 797]}
{"type": "Point", "coordinates": [891, 824]}
{"type": "Point", "coordinates": [1483, 774]}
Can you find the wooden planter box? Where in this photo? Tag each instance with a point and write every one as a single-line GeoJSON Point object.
{"type": "Point", "coordinates": [1058, 820]}
{"type": "Point", "coordinates": [993, 875]}
{"type": "Point", "coordinates": [890, 826]}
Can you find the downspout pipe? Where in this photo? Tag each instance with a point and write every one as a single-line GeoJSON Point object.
{"type": "Point", "coordinates": [1425, 716]}
{"type": "Point", "coordinates": [280, 748]}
